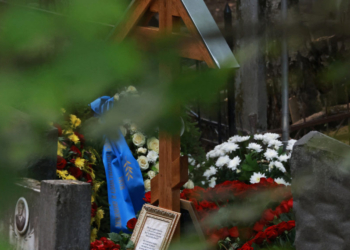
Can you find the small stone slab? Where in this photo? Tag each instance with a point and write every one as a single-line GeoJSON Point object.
{"type": "Point", "coordinates": [320, 168]}
{"type": "Point", "coordinates": [65, 215]}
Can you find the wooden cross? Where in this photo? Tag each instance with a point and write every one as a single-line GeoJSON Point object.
{"type": "Point", "coordinates": [198, 45]}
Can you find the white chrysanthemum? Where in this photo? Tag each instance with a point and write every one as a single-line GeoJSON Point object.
{"type": "Point", "coordinates": [275, 143]}
{"type": "Point", "coordinates": [133, 127]}
{"type": "Point", "coordinates": [212, 182]}
{"type": "Point", "coordinates": [254, 146]}
{"type": "Point", "coordinates": [284, 158]}
{"type": "Point", "coordinates": [258, 137]}
{"type": "Point", "coordinates": [234, 163]}
{"type": "Point", "coordinates": [152, 156]}
{"type": "Point", "coordinates": [230, 147]}
{"type": "Point", "coordinates": [270, 154]}
{"type": "Point", "coordinates": [139, 139]}
{"type": "Point", "coordinates": [151, 174]}
{"type": "Point", "coordinates": [189, 184]}
{"type": "Point", "coordinates": [143, 162]}
{"type": "Point", "coordinates": [281, 181]}
{"type": "Point", "coordinates": [280, 166]}
{"type": "Point", "coordinates": [191, 161]}
{"type": "Point", "coordinates": [141, 150]}
{"type": "Point", "coordinates": [291, 144]}
{"type": "Point", "coordinates": [238, 171]}
{"type": "Point", "coordinates": [223, 160]}
{"type": "Point", "coordinates": [255, 178]}
{"type": "Point", "coordinates": [209, 172]}
{"type": "Point", "coordinates": [147, 184]}
{"type": "Point", "coordinates": [271, 166]}
{"type": "Point", "coordinates": [270, 136]}
{"type": "Point", "coordinates": [153, 144]}
{"type": "Point", "coordinates": [215, 153]}
{"type": "Point", "coordinates": [238, 138]}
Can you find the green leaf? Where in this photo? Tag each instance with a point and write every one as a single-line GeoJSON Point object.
{"type": "Point", "coordinates": [255, 246]}
{"type": "Point", "coordinates": [284, 217]}
{"type": "Point", "coordinates": [246, 167]}
{"type": "Point", "coordinates": [130, 245]}
{"type": "Point", "coordinates": [116, 238]}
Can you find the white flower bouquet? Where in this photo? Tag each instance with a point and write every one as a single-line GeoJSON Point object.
{"type": "Point", "coordinates": [247, 158]}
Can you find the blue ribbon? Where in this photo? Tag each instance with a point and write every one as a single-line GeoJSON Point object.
{"type": "Point", "coordinates": [124, 178]}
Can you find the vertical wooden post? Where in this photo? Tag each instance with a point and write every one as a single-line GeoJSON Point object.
{"type": "Point", "coordinates": [169, 151]}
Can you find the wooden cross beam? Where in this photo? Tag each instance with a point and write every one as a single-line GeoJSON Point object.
{"type": "Point", "coordinates": [173, 174]}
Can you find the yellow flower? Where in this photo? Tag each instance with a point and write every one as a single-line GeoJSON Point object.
{"type": "Point", "coordinates": [96, 186]}
{"type": "Point", "coordinates": [100, 214]}
{"type": "Point", "coordinates": [92, 199]}
{"type": "Point", "coordinates": [79, 162]}
{"type": "Point", "coordinates": [60, 148]}
{"type": "Point", "coordinates": [70, 177]}
{"type": "Point", "coordinates": [99, 217]}
{"type": "Point", "coordinates": [75, 121]}
{"type": "Point", "coordinates": [93, 158]}
{"type": "Point", "coordinates": [63, 110]}
{"type": "Point", "coordinates": [93, 235]}
{"type": "Point", "coordinates": [62, 174]}
{"type": "Point", "coordinates": [74, 138]}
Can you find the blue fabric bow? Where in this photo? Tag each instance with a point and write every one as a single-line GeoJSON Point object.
{"type": "Point", "coordinates": [124, 178]}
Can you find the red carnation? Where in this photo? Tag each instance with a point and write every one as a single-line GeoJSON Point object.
{"type": "Point", "coordinates": [271, 233]}
{"type": "Point", "coordinates": [88, 178]}
{"type": "Point", "coordinates": [246, 246]}
{"type": "Point", "coordinates": [283, 226]}
{"type": "Point", "coordinates": [147, 197]}
{"type": "Point", "coordinates": [93, 214]}
{"type": "Point", "coordinates": [290, 203]}
{"type": "Point", "coordinates": [291, 224]}
{"type": "Point", "coordinates": [76, 172]}
{"type": "Point", "coordinates": [234, 232]}
{"type": "Point", "coordinates": [61, 162]}
{"type": "Point", "coordinates": [131, 224]}
{"type": "Point", "coordinates": [259, 238]}
{"type": "Point", "coordinates": [75, 150]}
{"type": "Point", "coordinates": [269, 215]}
{"type": "Point", "coordinates": [259, 226]}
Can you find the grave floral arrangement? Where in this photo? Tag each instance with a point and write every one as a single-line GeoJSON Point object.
{"type": "Point", "coordinates": [269, 203]}
{"type": "Point", "coordinates": [246, 158]}
{"type": "Point", "coordinates": [145, 144]}
{"type": "Point", "coordinates": [76, 161]}
{"type": "Point", "coordinates": [115, 241]}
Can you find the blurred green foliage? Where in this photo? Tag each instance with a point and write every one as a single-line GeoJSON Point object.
{"type": "Point", "coordinates": [55, 56]}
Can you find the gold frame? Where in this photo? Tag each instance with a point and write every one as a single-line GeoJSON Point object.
{"type": "Point", "coordinates": [149, 211]}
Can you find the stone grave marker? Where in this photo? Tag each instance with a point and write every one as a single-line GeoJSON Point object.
{"type": "Point", "coordinates": [320, 168]}
{"type": "Point", "coordinates": [53, 214]}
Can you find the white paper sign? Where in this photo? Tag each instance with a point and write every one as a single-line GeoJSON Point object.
{"type": "Point", "coordinates": [152, 234]}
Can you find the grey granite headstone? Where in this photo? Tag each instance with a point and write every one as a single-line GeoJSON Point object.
{"type": "Point", "coordinates": [56, 216]}
{"type": "Point", "coordinates": [320, 168]}
{"type": "Point", "coordinates": [65, 215]}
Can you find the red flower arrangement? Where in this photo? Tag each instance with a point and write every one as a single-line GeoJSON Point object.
{"type": "Point", "coordinates": [269, 234]}
{"type": "Point", "coordinates": [131, 224]}
{"type": "Point", "coordinates": [207, 201]}
{"type": "Point", "coordinates": [104, 244]}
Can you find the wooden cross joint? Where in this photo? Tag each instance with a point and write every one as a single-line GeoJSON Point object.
{"type": "Point", "coordinates": [179, 172]}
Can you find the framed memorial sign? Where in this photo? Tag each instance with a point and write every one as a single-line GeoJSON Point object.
{"type": "Point", "coordinates": [155, 228]}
